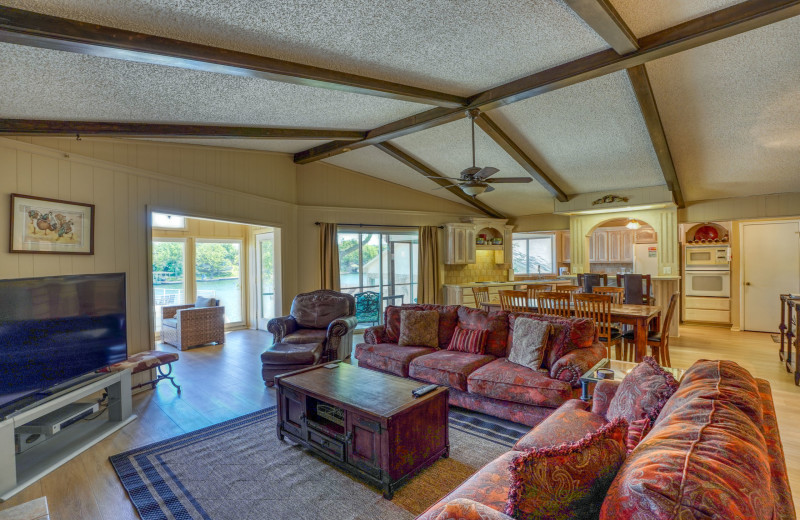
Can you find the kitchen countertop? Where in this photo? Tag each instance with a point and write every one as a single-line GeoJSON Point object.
{"type": "Point", "coordinates": [656, 277]}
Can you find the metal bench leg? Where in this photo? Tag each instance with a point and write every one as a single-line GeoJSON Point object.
{"type": "Point", "coordinates": [162, 375]}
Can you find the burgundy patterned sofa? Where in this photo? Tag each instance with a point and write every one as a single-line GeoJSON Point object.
{"type": "Point", "coordinates": [714, 453]}
{"type": "Point", "coordinates": [488, 382]}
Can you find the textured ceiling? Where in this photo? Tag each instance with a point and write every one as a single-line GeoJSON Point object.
{"type": "Point", "coordinates": [266, 145]}
{"type": "Point", "coordinates": [731, 111]}
{"type": "Point", "coordinates": [447, 150]}
{"type": "Point", "coordinates": [587, 137]}
{"type": "Point", "coordinates": [46, 84]}
{"type": "Point", "coordinates": [449, 45]}
{"type": "Point", "coordinates": [376, 163]}
{"type": "Point", "coordinates": [646, 17]}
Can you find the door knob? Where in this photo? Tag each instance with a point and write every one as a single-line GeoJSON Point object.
{"type": "Point", "coordinates": [747, 283]}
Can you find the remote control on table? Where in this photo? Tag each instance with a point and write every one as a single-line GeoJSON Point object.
{"type": "Point", "coordinates": [419, 392]}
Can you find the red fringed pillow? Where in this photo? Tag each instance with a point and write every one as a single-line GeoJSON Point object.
{"type": "Point", "coordinates": [642, 393]}
{"type": "Point", "coordinates": [567, 481]}
{"type": "Point", "coordinates": [637, 430]}
{"type": "Point", "coordinates": [472, 341]}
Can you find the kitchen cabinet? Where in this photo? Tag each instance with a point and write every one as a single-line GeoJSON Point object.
{"type": "Point", "coordinates": [611, 245]}
{"type": "Point", "coordinates": [645, 235]}
{"type": "Point", "coordinates": [565, 248]}
{"type": "Point", "coordinates": [460, 244]}
{"type": "Point", "coordinates": [614, 245]}
{"type": "Point", "coordinates": [600, 238]}
{"type": "Point", "coordinates": [627, 246]}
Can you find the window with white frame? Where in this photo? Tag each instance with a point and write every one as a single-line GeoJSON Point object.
{"type": "Point", "coordinates": [165, 221]}
{"type": "Point", "coordinates": [533, 253]}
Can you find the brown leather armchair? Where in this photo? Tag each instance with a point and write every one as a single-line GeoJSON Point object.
{"type": "Point", "coordinates": [326, 317]}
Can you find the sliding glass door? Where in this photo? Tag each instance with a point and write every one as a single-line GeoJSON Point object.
{"type": "Point", "coordinates": [381, 263]}
{"type": "Point", "coordinates": [265, 252]}
{"type": "Point", "coordinates": [169, 267]}
{"type": "Point", "coordinates": [218, 274]}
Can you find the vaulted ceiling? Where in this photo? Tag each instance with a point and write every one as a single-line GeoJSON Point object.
{"type": "Point", "coordinates": [710, 106]}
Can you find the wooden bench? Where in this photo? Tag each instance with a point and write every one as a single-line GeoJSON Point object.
{"type": "Point", "coordinates": [143, 361]}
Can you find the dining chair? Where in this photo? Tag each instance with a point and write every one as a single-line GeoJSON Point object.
{"type": "Point", "coordinates": [554, 303]}
{"type": "Point", "coordinates": [481, 295]}
{"type": "Point", "coordinates": [603, 279]}
{"type": "Point", "coordinates": [534, 288]}
{"type": "Point", "coordinates": [616, 293]}
{"type": "Point", "coordinates": [637, 288]}
{"type": "Point", "coordinates": [514, 301]}
{"type": "Point", "coordinates": [659, 341]}
{"type": "Point", "coordinates": [597, 307]}
{"type": "Point", "coordinates": [548, 276]}
{"type": "Point", "coordinates": [568, 288]}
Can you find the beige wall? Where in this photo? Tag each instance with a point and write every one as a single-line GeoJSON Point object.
{"type": "Point", "coordinates": [125, 178]}
{"type": "Point", "coordinates": [541, 222]}
{"type": "Point", "coordinates": [755, 207]}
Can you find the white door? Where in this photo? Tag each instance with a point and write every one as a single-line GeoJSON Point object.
{"type": "Point", "coordinates": [265, 273]}
{"type": "Point", "coordinates": [771, 266]}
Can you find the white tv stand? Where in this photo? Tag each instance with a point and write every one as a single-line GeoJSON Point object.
{"type": "Point", "coordinates": [19, 471]}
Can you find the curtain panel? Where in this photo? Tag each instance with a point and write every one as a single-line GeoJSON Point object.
{"type": "Point", "coordinates": [328, 256]}
{"type": "Point", "coordinates": [429, 288]}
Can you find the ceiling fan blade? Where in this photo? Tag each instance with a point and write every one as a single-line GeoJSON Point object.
{"type": "Point", "coordinates": [486, 172]}
{"type": "Point", "coordinates": [488, 189]}
{"type": "Point", "coordinates": [445, 187]}
{"type": "Point", "coordinates": [509, 179]}
{"type": "Point", "coordinates": [443, 177]}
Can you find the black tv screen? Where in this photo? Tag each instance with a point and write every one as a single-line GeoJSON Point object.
{"type": "Point", "coordinates": [58, 328]}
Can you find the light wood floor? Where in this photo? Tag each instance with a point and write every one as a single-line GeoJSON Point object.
{"type": "Point", "coordinates": [225, 381]}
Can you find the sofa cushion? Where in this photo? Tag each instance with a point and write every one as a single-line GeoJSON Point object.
{"type": "Point", "coordinates": [419, 328]}
{"type": "Point", "coordinates": [464, 509]}
{"type": "Point", "coordinates": [718, 379]}
{"type": "Point", "coordinates": [528, 346]}
{"type": "Point", "coordinates": [389, 357]}
{"type": "Point", "coordinates": [706, 459]}
{"type": "Point", "coordinates": [448, 317]}
{"type": "Point", "coordinates": [470, 341]}
{"type": "Point", "coordinates": [447, 368]}
{"type": "Point", "coordinates": [507, 381]}
{"type": "Point", "coordinates": [569, 480]}
{"type": "Point", "coordinates": [306, 336]}
{"type": "Point", "coordinates": [568, 334]}
{"type": "Point", "coordinates": [570, 423]}
{"type": "Point", "coordinates": [489, 486]}
{"type": "Point", "coordinates": [642, 393]}
{"type": "Point", "coordinates": [495, 322]}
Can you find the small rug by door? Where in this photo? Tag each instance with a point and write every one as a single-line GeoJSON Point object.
{"type": "Point", "coordinates": [238, 470]}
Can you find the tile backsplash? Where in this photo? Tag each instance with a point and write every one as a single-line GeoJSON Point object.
{"type": "Point", "coordinates": [483, 270]}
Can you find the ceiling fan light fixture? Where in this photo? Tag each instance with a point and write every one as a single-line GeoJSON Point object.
{"type": "Point", "coordinates": [633, 224]}
{"type": "Point", "coordinates": [473, 188]}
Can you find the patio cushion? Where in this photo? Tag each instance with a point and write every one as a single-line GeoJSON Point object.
{"type": "Point", "coordinates": [170, 322]}
{"type": "Point", "coordinates": [447, 368]}
{"type": "Point", "coordinates": [389, 357]}
{"type": "Point", "coordinates": [502, 379]}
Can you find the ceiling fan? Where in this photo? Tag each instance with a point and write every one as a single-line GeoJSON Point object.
{"type": "Point", "coordinates": [475, 180]}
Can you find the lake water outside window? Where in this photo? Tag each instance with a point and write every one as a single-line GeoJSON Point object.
{"type": "Point", "coordinates": [218, 275]}
{"type": "Point", "coordinates": [533, 253]}
{"type": "Point", "coordinates": [169, 266]}
{"type": "Point", "coordinates": [379, 262]}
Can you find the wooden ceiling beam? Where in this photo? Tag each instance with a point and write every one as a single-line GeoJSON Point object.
{"type": "Point", "coordinates": [50, 32]}
{"type": "Point", "coordinates": [737, 19]}
{"type": "Point", "coordinates": [506, 143]}
{"type": "Point", "coordinates": [438, 178]}
{"type": "Point", "coordinates": [37, 127]}
{"type": "Point", "coordinates": [601, 16]}
{"type": "Point", "coordinates": [647, 102]}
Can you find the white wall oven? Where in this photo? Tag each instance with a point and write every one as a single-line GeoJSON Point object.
{"type": "Point", "coordinates": [708, 283]}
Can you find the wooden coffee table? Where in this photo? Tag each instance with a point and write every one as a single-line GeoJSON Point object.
{"type": "Point", "coordinates": [364, 422]}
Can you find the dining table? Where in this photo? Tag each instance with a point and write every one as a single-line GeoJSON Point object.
{"type": "Point", "coordinates": [643, 318]}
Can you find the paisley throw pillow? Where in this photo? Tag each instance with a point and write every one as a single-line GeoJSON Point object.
{"type": "Point", "coordinates": [419, 328]}
{"type": "Point", "coordinates": [529, 342]}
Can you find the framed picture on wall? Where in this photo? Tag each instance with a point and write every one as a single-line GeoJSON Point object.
{"type": "Point", "coordinates": [40, 225]}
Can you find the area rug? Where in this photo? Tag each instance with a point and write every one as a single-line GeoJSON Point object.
{"type": "Point", "coordinates": [238, 470]}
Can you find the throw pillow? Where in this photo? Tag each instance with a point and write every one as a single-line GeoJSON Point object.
{"type": "Point", "coordinates": [204, 302]}
{"type": "Point", "coordinates": [529, 341]}
{"type": "Point", "coordinates": [567, 481]}
{"type": "Point", "coordinates": [637, 430]}
{"type": "Point", "coordinates": [472, 341]}
{"type": "Point", "coordinates": [419, 328]}
{"type": "Point", "coordinates": [642, 393]}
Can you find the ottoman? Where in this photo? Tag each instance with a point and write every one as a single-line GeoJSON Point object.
{"type": "Point", "coordinates": [285, 357]}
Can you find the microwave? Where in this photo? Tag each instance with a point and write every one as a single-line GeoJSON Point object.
{"type": "Point", "coordinates": [708, 257]}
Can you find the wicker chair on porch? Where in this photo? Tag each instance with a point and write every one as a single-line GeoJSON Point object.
{"type": "Point", "coordinates": [187, 326]}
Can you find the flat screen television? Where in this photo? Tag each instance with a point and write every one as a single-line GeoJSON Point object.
{"type": "Point", "coordinates": [56, 329]}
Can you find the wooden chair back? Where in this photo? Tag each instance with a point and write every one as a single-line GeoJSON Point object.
{"type": "Point", "coordinates": [596, 307]}
{"type": "Point", "coordinates": [514, 301]}
{"type": "Point", "coordinates": [569, 288]}
{"type": "Point", "coordinates": [603, 278]}
{"type": "Point", "coordinates": [644, 279]}
{"type": "Point", "coordinates": [616, 293]}
{"type": "Point", "coordinates": [481, 295]}
{"type": "Point", "coordinates": [534, 289]}
{"type": "Point", "coordinates": [548, 276]}
{"type": "Point", "coordinates": [663, 345]}
{"type": "Point", "coordinates": [554, 303]}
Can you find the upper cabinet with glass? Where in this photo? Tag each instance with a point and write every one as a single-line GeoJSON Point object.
{"type": "Point", "coordinates": [464, 238]}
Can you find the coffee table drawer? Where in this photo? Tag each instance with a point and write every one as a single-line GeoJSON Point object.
{"type": "Point", "coordinates": [326, 444]}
